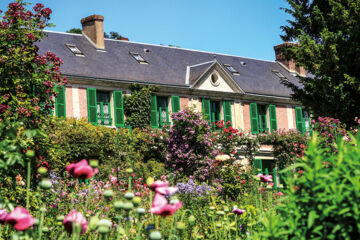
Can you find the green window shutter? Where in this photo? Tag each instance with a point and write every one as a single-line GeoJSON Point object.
{"type": "Point", "coordinates": [119, 108]}
{"type": "Point", "coordinates": [299, 120]}
{"type": "Point", "coordinates": [153, 112]}
{"type": "Point", "coordinates": [206, 110]}
{"type": "Point", "coordinates": [175, 102]}
{"type": "Point", "coordinates": [272, 113]}
{"type": "Point", "coordinates": [310, 130]}
{"type": "Point", "coordinates": [92, 106]}
{"type": "Point", "coordinates": [258, 165]}
{"type": "Point", "coordinates": [254, 118]}
{"type": "Point", "coordinates": [227, 111]}
{"type": "Point", "coordinates": [60, 107]}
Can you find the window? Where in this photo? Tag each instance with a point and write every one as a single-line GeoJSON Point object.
{"type": "Point", "coordinates": [215, 115]}
{"type": "Point", "coordinates": [138, 58]}
{"type": "Point", "coordinates": [99, 109]}
{"type": "Point", "coordinates": [231, 69]}
{"type": "Point", "coordinates": [159, 116]}
{"type": "Point", "coordinates": [262, 118]}
{"type": "Point", "coordinates": [303, 121]}
{"type": "Point", "coordinates": [212, 111]}
{"type": "Point", "coordinates": [162, 111]}
{"type": "Point", "coordinates": [279, 74]}
{"type": "Point", "coordinates": [75, 50]}
{"type": "Point", "coordinates": [103, 108]}
{"type": "Point", "coordinates": [215, 80]}
{"type": "Point", "coordinates": [268, 167]}
{"type": "Point", "coordinates": [259, 115]}
{"type": "Point", "coordinates": [265, 166]}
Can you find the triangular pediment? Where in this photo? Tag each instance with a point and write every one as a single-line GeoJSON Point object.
{"type": "Point", "coordinates": [211, 76]}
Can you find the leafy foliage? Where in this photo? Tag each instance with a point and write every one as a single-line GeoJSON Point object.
{"type": "Point", "coordinates": [329, 48]}
{"type": "Point", "coordinates": [323, 196]}
{"type": "Point", "coordinates": [137, 106]}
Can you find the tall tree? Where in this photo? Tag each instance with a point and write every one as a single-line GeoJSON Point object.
{"type": "Point", "coordinates": [27, 78]}
{"type": "Point", "coordinates": [328, 34]}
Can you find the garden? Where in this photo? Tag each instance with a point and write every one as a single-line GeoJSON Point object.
{"type": "Point", "coordinates": [68, 179]}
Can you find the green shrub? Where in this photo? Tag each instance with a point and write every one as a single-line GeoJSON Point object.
{"type": "Point", "coordinates": [323, 196]}
{"type": "Point", "coordinates": [72, 140]}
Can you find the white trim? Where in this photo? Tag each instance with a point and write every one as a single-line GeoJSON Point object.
{"type": "Point", "coordinates": [263, 95]}
{"type": "Point", "coordinates": [187, 77]}
{"type": "Point", "coordinates": [196, 65]}
{"type": "Point", "coordinates": [290, 117]}
{"type": "Point", "coordinates": [73, 34]}
{"type": "Point", "coordinates": [186, 49]}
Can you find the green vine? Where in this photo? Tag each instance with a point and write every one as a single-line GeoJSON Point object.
{"type": "Point", "coordinates": [137, 106]}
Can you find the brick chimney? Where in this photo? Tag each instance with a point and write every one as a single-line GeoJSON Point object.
{"type": "Point", "coordinates": [289, 64]}
{"type": "Point", "coordinates": [92, 27]}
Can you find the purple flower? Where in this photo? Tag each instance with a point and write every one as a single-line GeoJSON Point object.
{"type": "Point", "coordinates": [238, 211]}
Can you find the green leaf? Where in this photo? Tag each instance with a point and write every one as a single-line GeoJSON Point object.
{"type": "Point", "coordinates": [311, 218]}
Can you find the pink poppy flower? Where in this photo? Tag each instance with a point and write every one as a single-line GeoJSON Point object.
{"type": "Point", "coordinates": [280, 194]}
{"type": "Point", "coordinates": [81, 170]}
{"type": "Point", "coordinates": [238, 211]}
{"type": "Point", "coordinates": [3, 214]}
{"type": "Point", "coordinates": [159, 200]}
{"type": "Point", "coordinates": [157, 184]}
{"type": "Point", "coordinates": [166, 190]}
{"type": "Point", "coordinates": [265, 178]}
{"type": "Point", "coordinates": [76, 217]}
{"type": "Point", "coordinates": [161, 206]}
{"type": "Point", "coordinates": [20, 219]}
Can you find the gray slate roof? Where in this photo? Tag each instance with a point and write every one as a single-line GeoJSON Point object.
{"type": "Point", "coordinates": [167, 65]}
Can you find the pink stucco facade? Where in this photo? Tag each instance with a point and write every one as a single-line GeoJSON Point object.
{"type": "Point", "coordinates": [69, 102]}
{"type": "Point", "coordinates": [281, 117]}
{"type": "Point", "coordinates": [184, 101]}
{"type": "Point", "coordinates": [83, 103]}
{"type": "Point", "coordinates": [246, 116]}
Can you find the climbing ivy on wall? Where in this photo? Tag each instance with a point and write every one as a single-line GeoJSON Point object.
{"type": "Point", "coordinates": [137, 106]}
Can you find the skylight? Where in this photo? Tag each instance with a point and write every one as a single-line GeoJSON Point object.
{"type": "Point", "coordinates": [75, 50]}
{"type": "Point", "coordinates": [138, 58]}
{"type": "Point", "coordinates": [231, 69]}
{"type": "Point", "coordinates": [279, 74]}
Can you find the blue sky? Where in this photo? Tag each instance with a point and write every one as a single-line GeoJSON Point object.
{"type": "Point", "coordinates": [237, 27]}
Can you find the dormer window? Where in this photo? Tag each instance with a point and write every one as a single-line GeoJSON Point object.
{"type": "Point", "coordinates": [138, 58]}
{"type": "Point", "coordinates": [231, 69]}
{"type": "Point", "coordinates": [279, 74]}
{"type": "Point", "coordinates": [75, 50]}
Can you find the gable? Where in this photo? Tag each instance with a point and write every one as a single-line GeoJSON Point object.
{"type": "Point", "coordinates": [215, 82]}
{"type": "Point", "coordinates": [216, 79]}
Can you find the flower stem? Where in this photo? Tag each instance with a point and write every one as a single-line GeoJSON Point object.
{"type": "Point", "coordinates": [28, 184]}
{"type": "Point", "coordinates": [41, 224]}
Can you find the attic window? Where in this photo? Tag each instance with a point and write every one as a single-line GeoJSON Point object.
{"type": "Point", "coordinates": [279, 74]}
{"type": "Point", "coordinates": [231, 69]}
{"type": "Point", "coordinates": [75, 50]}
{"type": "Point", "coordinates": [138, 58]}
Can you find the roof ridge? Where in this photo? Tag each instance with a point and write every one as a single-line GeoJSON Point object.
{"type": "Point", "coordinates": [157, 45]}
